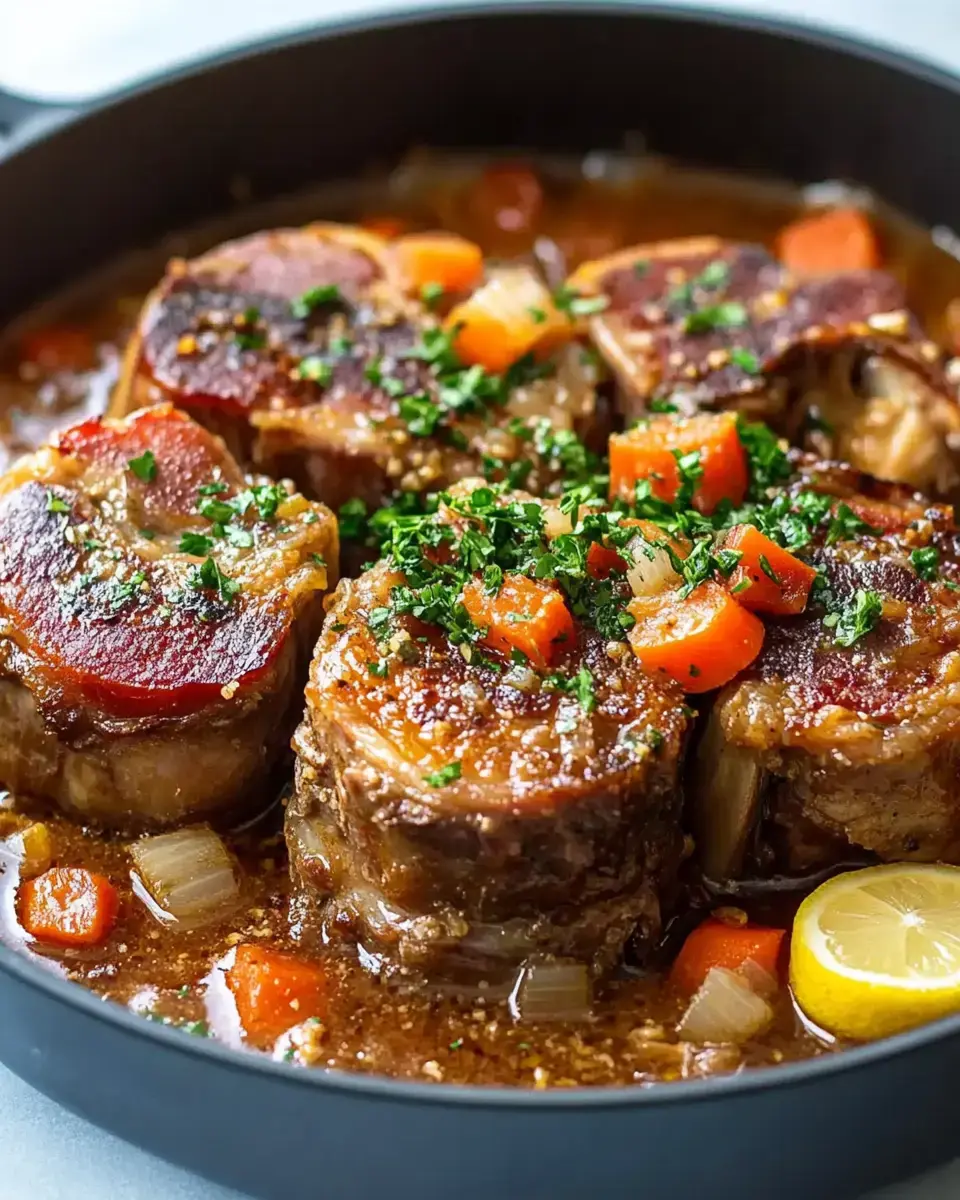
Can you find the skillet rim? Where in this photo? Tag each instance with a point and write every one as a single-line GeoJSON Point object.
{"type": "Point", "coordinates": [385, 1088]}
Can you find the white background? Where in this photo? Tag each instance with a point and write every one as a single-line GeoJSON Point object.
{"type": "Point", "coordinates": [69, 48]}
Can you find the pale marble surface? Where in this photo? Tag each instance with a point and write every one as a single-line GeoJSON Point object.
{"type": "Point", "coordinates": [66, 48]}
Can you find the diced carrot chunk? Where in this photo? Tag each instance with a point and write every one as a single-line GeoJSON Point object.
{"type": "Point", "coordinates": [841, 239]}
{"type": "Point", "coordinates": [68, 906]}
{"type": "Point", "coordinates": [507, 196]}
{"type": "Point", "coordinates": [650, 451]}
{"type": "Point", "coordinates": [601, 560]}
{"type": "Point", "coordinates": [702, 640]}
{"type": "Point", "coordinates": [717, 944]}
{"type": "Point", "coordinates": [275, 991]}
{"type": "Point", "coordinates": [525, 615]}
{"type": "Point", "coordinates": [58, 349]}
{"type": "Point", "coordinates": [440, 259]}
{"type": "Point", "coordinates": [768, 578]}
{"type": "Point", "coordinates": [512, 315]}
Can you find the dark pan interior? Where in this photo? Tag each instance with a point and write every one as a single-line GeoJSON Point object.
{"type": "Point", "coordinates": [734, 94]}
{"type": "Point", "coordinates": [731, 94]}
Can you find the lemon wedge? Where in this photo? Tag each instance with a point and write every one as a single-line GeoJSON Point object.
{"type": "Point", "coordinates": [877, 951]}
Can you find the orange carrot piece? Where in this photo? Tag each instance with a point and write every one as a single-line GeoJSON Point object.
{"type": "Point", "coordinates": [525, 615]}
{"type": "Point", "coordinates": [58, 349]}
{"type": "Point", "coordinates": [841, 239]}
{"type": "Point", "coordinates": [649, 451]}
{"type": "Point", "coordinates": [439, 259]}
{"type": "Point", "coordinates": [68, 906]}
{"type": "Point", "coordinates": [702, 640]}
{"type": "Point", "coordinates": [768, 578]}
{"type": "Point", "coordinates": [275, 991]}
{"type": "Point", "coordinates": [511, 315]}
{"type": "Point", "coordinates": [716, 944]}
{"type": "Point", "coordinates": [601, 560]}
{"type": "Point", "coordinates": [507, 196]}
{"type": "Point", "coordinates": [386, 227]}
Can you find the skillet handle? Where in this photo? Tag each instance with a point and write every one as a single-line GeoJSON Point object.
{"type": "Point", "coordinates": [22, 118]}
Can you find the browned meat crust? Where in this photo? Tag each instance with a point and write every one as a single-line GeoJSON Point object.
{"type": "Point", "coordinates": [846, 748]}
{"type": "Point", "coordinates": [556, 837]}
{"type": "Point", "coordinates": [145, 683]}
{"type": "Point", "coordinates": [317, 396]}
{"type": "Point", "coordinates": [836, 363]}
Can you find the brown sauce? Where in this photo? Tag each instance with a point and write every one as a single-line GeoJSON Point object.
{"type": "Point", "coordinates": [176, 976]}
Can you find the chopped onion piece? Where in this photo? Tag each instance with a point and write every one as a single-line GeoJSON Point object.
{"type": "Point", "coordinates": [190, 875]}
{"type": "Point", "coordinates": [551, 991]}
{"type": "Point", "coordinates": [725, 1009]}
{"type": "Point", "coordinates": [33, 848]}
{"type": "Point", "coordinates": [555, 522]}
{"type": "Point", "coordinates": [652, 571]}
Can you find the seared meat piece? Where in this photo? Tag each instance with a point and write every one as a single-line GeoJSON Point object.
{"type": "Point", "coordinates": [152, 657]}
{"type": "Point", "coordinates": [834, 363]}
{"type": "Point", "coordinates": [302, 348]}
{"type": "Point", "coordinates": [843, 737]}
{"type": "Point", "coordinates": [455, 812]}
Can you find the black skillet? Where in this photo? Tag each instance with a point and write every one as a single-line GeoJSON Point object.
{"type": "Point", "coordinates": [77, 188]}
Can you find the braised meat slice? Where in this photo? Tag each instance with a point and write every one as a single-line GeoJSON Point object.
{"type": "Point", "coordinates": [834, 363]}
{"type": "Point", "coordinates": [843, 736]}
{"type": "Point", "coordinates": [481, 776]}
{"type": "Point", "coordinates": [159, 608]}
{"type": "Point", "coordinates": [308, 351]}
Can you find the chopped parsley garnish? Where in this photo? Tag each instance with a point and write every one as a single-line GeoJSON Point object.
{"type": "Point", "coordinates": [926, 562]}
{"type": "Point", "coordinates": [569, 301]}
{"type": "Point", "coordinates": [316, 369]}
{"type": "Point", "coordinates": [209, 576]}
{"type": "Point", "coordinates": [380, 668]}
{"type": "Point", "coordinates": [144, 466]}
{"type": "Point", "coordinates": [55, 504]}
{"type": "Point", "coordinates": [195, 543]}
{"type": "Point", "coordinates": [641, 267]}
{"type": "Point", "coordinates": [728, 315]}
{"type": "Point", "coordinates": [653, 737]}
{"type": "Point", "coordinates": [856, 618]}
{"type": "Point", "coordinates": [580, 686]}
{"type": "Point", "coordinates": [254, 340]}
{"type": "Point", "coordinates": [538, 315]}
{"type": "Point", "coordinates": [120, 591]}
{"type": "Point", "coordinates": [421, 414]}
{"type": "Point", "coordinates": [353, 520]}
{"type": "Point", "coordinates": [431, 293]}
{"type": "Point", "coordinates": [326, 296]}
{"type": "Point", "coordinates": [446, 775]}
{"type": "Point", "coordinates": [845, 525]}
{"type": "Point", "coordinates": [746, 360]}
{"type": "Point", "coordinates": [769, 571]}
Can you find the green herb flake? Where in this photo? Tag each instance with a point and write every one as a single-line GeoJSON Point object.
{"type": "Point", "coordinates": [446, 775]}
{"type": "Point", "coordinates": [857, 618]}
{"type": "Point", "coordinates": [55, 504]}
{"type": "Point", "coordinates": [926, 562]}
{"type": "Point", "coordinates": [326, 296]}
{"type": "Point", "coordinates": [746, 360]}
{"type": "Point", "coordinates": [569, 301]}
{"type": "Point", "coordinates": [208, 576]}
{"type": "Point", "coordinates": [729, 315]}
{"type": "Point", "coordinates": [431, 294]}
{"type": "Point", "coordinates": [769, 571]}
{"type": "Point", "coordinates": [316, 370]}
{"type": "Point", "coordinates": [144, 466]}
{"type": "Point", "coordinates": [194, 543]}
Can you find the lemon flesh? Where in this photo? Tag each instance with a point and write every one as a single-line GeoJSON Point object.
{"type": "Point", "coordinates": [877, 951]}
